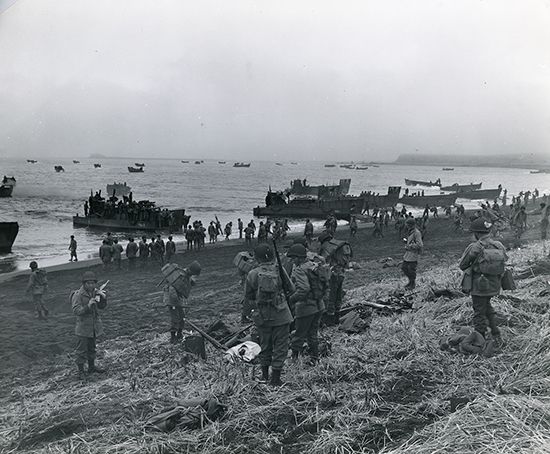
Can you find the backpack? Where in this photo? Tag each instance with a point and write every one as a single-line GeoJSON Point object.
{"type": "Point", "coordinates": [318, 277]}
{"type": "Point", "coordinates": [491, 260]}
{"type": "Point", "coordinates": [339, 252]}
{"type": "Point", "coordinates": [268, 286]}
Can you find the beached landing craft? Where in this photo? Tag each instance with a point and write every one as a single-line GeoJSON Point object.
{"type": "Point", "coordinates": [8, 233]}
{"type": "Point", "coordinates": [422, 183]}
{"type": "Point", "coordinates": [7, 186]}
{"type": "Point", "coordinates": [301, 188]}
{"type": "Point", "coordinates": [135, 169]}
{"type": "Point", "coordinates": [59, 169]}
{"type": "Point", "coordinates": [421, 201]}
{"type": "Point", "coordinates": [482, 194]}
{"type": "Point", "coordinates": [241, 164]}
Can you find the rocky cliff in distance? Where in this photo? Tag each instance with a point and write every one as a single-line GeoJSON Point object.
{"type": "Point", "coordinates": [505, 160]}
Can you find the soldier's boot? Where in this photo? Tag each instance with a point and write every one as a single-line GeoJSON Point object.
{"type": "Point", "coordinates": [173, 338]}
{"type": "Point", "coordinates": [179, 335]}
{"type": "Point", "coordinates": [276, 378]}
{"type": "Point", "coordinates": [93, 369]}
{"type": "Point", "coordinates": [265, 374]}
{"type": "Point", "coordinates": [81, 372]}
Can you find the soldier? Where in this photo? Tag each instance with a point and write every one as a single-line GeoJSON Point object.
{"type": "Point", "coordinates": [413, 249]}
{"type": "Point", "coordinates": [131, 253]}
{"type": "Point", "coordinates": [252, 225]}
{"type": "Point", "coordinates": [117, 253]}
{"type": "Point", "coordinates": [262, 233]}
{"type": "Point", "coordinates": [170, 249]}
{"type": "Point", "coordinates": [337, 254]}
{"type": "Point", "coordinates": [109, 239]}
{"type": "Point", "coordinates": [308, 231]}
{"type": "Point", "coordinates": [190, 238]}
{"type": "Point", "coordinates": [248, 233]}
{"type": "Point", "coordinates": [37, 286]}
{"type": "Point", "coordinates": [72, 248]}
{"type": "Point", "coordinates": [174, 300]}
{"type": "Point", "coordinates": [307, 301]}
{"type": "Point", "coordinates": [227, 230]}
{"type": "Point", "coordinates": [377, 231]}
{"type": "Point", "coordinates": [85, 303]}
{"type": "Point", "coordinates": [270, 313]}
{"type": "Point", "coordinates": [143, 251]}
{"type": "Point", "coordinates": [212, 233]}
{"type": "Point", "coordinates": [352, 227]}
{"type": "Point", "coordinates": [106, 254]}
{"type": "Point", "coordinates": [240, 226]}
{"type": "Point", "coordinates": [483, 264]}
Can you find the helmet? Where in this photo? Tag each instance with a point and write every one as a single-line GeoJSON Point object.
{"type": "Point", "coordinates": [300, 240]}
{"type": "Point", "coordinates": [297, 250]}
{"type": "Point", "coordinates": [33, 265]}
{"type": "Point", "coordinates": [263, 253]}
{"type": "Point", "coordinates": [325, 236]}
{"type": "Point", "coordinates": [480, 225]}
{"type": "Point", "coordinates": [89, 276]}
{"type": "Point", "coordinates": [410, 222]}
{"type": "Point", "coordinates": [195, 268]}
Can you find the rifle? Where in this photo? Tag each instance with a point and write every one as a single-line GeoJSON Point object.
{"type": "Point", "coordinates": [209, 338]}
{"type": "Point", "coordinates": [282, 274]}
{"type": "Point", "coordinates": [234, 337]}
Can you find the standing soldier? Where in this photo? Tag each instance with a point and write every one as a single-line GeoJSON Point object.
{"type": "Point", "coordinates": [307, 301]}
{"type": "Point", "coordinates": [131, 253]}
{"type": "Point", "coordinates": [170, 249]}
{"type": "Point", "coordinates": [117, 254]}
{"type": "Point", "coordinates": [162, 247]}
{"type": "Point", "coordinates": [252, 225]}
{"type": "Point", "coordinates": [377, 231]}
{"type": "Point", "coordinates": [240, 226]}
{"type": "Point", "coordinates": [106, 254]}
{"type": "Point", "coordinates": [212, 235]}
{"type": "Point", "coordinates": [483, 264]}
{"type": "Point", "coordinates": [519, 222]}
{"type": "Point", "coordinates": [72, 248]}
{"type": "Point", "coordinates": [174, 300]}
{"type": "Point", "coordinates": [308, 231]}
{"type": "Point", "coordinates": [413, 249]}
{"type": "Point", "coordinates": [227, 230]}
{"type": "Point", "coordinates": [248, 233]}
{"type": "Point", "coordinates": [37, 286]}
{"type": "Point", "coordinates": [85, 303]}
{"type": "Point", "coordinates": [143, 251]}
{"type": "Point", "coordinates": [352, 227]}
{"type": "Point", "coordinates": [337, 255]}
{"type": "Point", "coordinates": [270, 313]}
{"type": "Point", "coordinates": [190, 238]}
{"type": "Point", "coordinates": [262, 233]}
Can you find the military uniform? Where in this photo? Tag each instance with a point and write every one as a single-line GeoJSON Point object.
{"type": "Point", "coordinates": [272, 318]}
{"type": "Point", "coordinates": [170, 250]}
{"type": "Point", "coordinates": [174, 302]}
{"type": "Point", "coordinates": [483, 287]}
{"type": "Point", "coordinates": [307, 311]}
{"type": "Point", "coordinates": [413, 249]}
{"type": "Point", "coordinates": [38, 285]}
{"type": "Point", "coordinates": [88, 325]}
{"type": "Point", "coordinates": [131, 254]}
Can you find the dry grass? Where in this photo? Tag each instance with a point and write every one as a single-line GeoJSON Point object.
{"type": "Point", "coordinates": [387, 390]}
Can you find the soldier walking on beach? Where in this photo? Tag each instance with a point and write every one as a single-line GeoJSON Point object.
{"type": "Point", "coordinates": [131, 253]}
{"type": "Point", "coordinates": [307, 301]}
{"type": "Point", "coordinates": [72, 249]}
{"type": "Point", "coordinates": [117, 254]}
{"type": "Point", "coordinates": [413, 249]}
{"type": "Point", "coordinates": [270, 313]}
{"type": "Point", "coordinates": [37, 287]}
{"type": "Point", "coordinates": [483, 264]}
{"type": "Point", "coordinates": [85, 303]}
{"type": "Point", "coordinates": [170, 249]}
{"type": "Point", "coordinates": [352, 227]}
{"type": "Point", "coordinates": [308, 231]}
{"type": "Point", "coordinates": [106, 254]}
{"type": "Point", "coordinates": [174, 299]}
{"type": "Point", "coordinates": [143, 251]}
{"type": "Point", "coordinates": [240, 226]}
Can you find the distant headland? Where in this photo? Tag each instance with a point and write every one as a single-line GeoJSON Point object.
{"type": "Point", "coordinates": [525, 161]}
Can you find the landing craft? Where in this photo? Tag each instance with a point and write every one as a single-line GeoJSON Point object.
{"type": "Point", "coordinates": [8, 233]}
{"type": "Point", "coordinates": [7, 186]}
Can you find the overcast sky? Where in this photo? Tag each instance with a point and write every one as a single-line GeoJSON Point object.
{"type": "Point", "coordinates": [277, 80]}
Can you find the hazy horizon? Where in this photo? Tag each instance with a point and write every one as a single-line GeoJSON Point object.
{"type": "Point", "coordinates": [286, 81]}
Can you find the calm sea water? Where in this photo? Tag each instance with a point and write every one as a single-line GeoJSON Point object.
{"type": "Point", "coordinates": [44, 201]}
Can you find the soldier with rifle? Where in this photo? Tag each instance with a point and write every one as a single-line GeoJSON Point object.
{"type": "Point", "coordinates": [271, 313]}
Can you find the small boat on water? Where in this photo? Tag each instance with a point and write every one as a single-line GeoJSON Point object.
{"type": "Point", "coordinates": [347, 166]}
{"type": "Point", "coordinates": [241, 164]}
{"type": "Point", "coordinates": [97, 166]}
{"type": "Point", "coordinates": [448, 168]}
{"type": "Point", "coordinates": [135, 169]}
{"type": "Point", "coordinates": [462, 187]}
{"type": "Point", "coordinates": [59, 169]}
{"type": "Point", "coordinates": [118, 189]}
{"type": "Point", "coordinates": [361, 168]}
{"type": "Point", "coordinates": [294, 163]}
{"type": "Point", "coordinates": [423, 183]}
{"type": "Point", "coordinates": [330, 165]}
{"type": "Point", "coordinates": [185, 162]}
{"type": "Point", "coordinates": [32, 161]}
{"type": "Point", "coordinates": [75, 161]}
{"type": "Point", "coordinates": [221, 162]}
{"type": "Point", "coordinates": [137, 164]}
{"type": "Point", "coordinates": [540, 171]}
{"type": "Point", "coordinates": [7, 186]}
{"type": "Point", "coordinates": [198, 162]}
{"type": "Point", "coordinates": [8, 233]}
{"type": "Point", "coordinates": [278, 164]}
